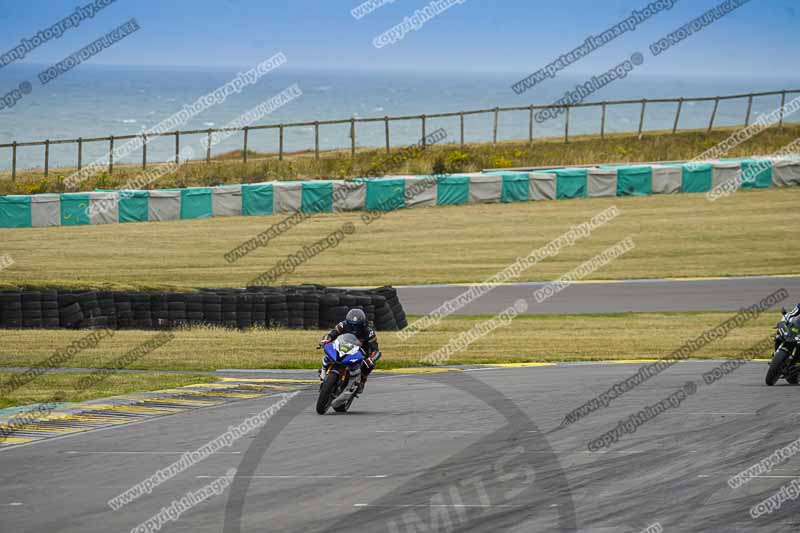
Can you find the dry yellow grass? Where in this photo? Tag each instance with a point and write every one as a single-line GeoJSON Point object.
{"type": "Point", "coordinates": [551, 151]}
{"type": "Point", "coordinates": [529, 338]}
{"type": "Point", "coordinates": [63, 387]}
{"type": "Point", "coordinates": [676, 236]}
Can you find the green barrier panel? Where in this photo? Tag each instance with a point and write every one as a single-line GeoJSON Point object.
{"type": "Point", "coordinates": [696, 177]}
{"type": "Point", "coordinates": [74, 209]}
{"type": "Point", "coordinates": [516, 187]}
{"type": "Point", "coordinates": [15, 211]}
{"type": "Point", "coordinates": [452, 190]}
{"type": "Point", "coordinates": [386, 194]}
{"type": "Point", "coordinates": [133, 206]}
{"type": "Point", "coordinates": [196, 203]}
{"type": "Point", "coordinates": [634, 181]}
{"type": "Point", "coordinates": [317, 197]}
{"type": "Point", "coordinates": [756, 174]}
{"type": "Point", "coordinates": [257, 199]}
{"type": "Point", "coordinates": [570, 183]}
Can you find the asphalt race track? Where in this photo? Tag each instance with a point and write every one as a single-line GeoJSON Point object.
{"type": "Point", "coordinates": [715, 294]}
{"type": "Point", "coordinates": [475, 450]}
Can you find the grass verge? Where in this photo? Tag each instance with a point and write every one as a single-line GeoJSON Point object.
{"type": "Point", "coordinates": [338, 164]}
{"type": "Point", "coordinates": [63, 386]}
{"type": "Point", "coordinates": [529, 338]}
{"type": "Point", "coordinates": [675, 235]}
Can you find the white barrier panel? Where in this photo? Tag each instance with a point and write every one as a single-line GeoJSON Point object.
{"type": "Point", "coordinates": [786, 173]}
{"type": "Point", "coordinates": [485, 188]}
{"type": "Point", "coordinates": [287, 197]}
{"type": "Point", "coordinates": [164, 205]}
{"type": "Point", "coordinates": [226, 201]}
{"type": "Point", "coordinates": [103, 208]}
{"type": "Point", "coordinates": [667, 179]}
{"type": "Point", "coordinates": [349, 196]}
{"type": "Point", "coordinates": [421, 191]}
{"type": "Point", "coordinates": [45, 210]}
{"type": "Point", "coordinates": [723, 172]}
{"type": "Point", "coordinates": [543, 186]}
{"type": "Point", "coordinates": [600, 182]}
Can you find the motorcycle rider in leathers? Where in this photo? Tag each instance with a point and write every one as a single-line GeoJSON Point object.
{"type": "Point", "coordinates": [355, 323]}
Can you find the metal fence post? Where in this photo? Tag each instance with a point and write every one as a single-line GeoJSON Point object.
{"type": "Point", "coordinates": [603, 122]}
{"type": "Point", "coordinates": [424, 134]}
{"type": "Point", "coordinates": [177, 147]}
{"type": "Point", "coordinates": [80, 153]}
{"type": "Point", "coordinates": [566, 127]}
{"type": "Point", "coordinates": [144, 151]}
{"type": "Point", "coordinates": [783, 104]}
{"type": "Point", "coordinates": [461, 116]}
{"type": "Point", "coordinates": [316, 141]}
{"type": "Point", "coordinates": [280, 143]}
{"type": "Point", "coordinates": [713, 115]}
{"type": "Point", "coordinates": [352, 138]}
{"type": "Point", "coordinates": [749, 109]}
{"type": "Point", "coordinates": [530, 126]}
{"type": "Point", "coordinates": [46, 157]}
{"type": "Point", "coordinates": [386, 129]}
{"type": "Point", "coordinates": [494, 128]}
{"type": "Point", "coordinates": [641, 117]}
{"type": "Point", "coordinates": [111, 155]}
{"type": "Point", "coordinates": [14, 161]}
{"type": "Point", "coordinates": [244, 144]}
{"type": "Point", "coordinates": [677, 115]}
{"type": "Point", "coordinates": [208, 147]}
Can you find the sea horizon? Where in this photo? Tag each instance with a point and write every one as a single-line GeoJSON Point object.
{"type": "Point", "coordinates": [102, 100]}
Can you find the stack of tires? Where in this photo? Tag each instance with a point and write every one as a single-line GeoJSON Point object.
{"type": "Point", "coordinates": [298, 307]}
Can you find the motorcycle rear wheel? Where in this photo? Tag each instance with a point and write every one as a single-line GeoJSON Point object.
{"type": "Point", "coordinates": [326, 392]}
{"type": "Point", "coordinates": [776, 367]}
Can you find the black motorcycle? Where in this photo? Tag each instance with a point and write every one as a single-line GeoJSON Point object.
{"type": "Point", "coordinates": [784, 361]}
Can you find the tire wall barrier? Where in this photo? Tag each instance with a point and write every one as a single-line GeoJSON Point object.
{"type": "Point", "coordinates": [296, 307]}
{"type": "Point", "coordinates": [386, 194]}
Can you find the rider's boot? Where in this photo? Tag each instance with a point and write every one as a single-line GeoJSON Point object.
{"type": "Point", "coordinates": [323, 371]}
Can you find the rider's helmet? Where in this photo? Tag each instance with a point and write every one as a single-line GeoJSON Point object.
{"type": "Point", "coordinates": [356, 319]}
{"type": "Point", "coordinates": [794, 324]}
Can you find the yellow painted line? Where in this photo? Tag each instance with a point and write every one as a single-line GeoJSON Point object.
{"type": "Point", "coordinates": [519, 365]}
{"type": "Point", "coordinates": [191, 403]}
{"type": "Point", "coordinates": [213, 393]}
{"type": "Point", "coordinates": [213, 386]}
{"type": "Point", "coordinates": [415, 370]}
{"type": "Point", "coordinates": [251, 387]}
{"type": "Point", "coordinates": [630, 361]}
{"type": "Point", "coordinates": [625, 280]}
{"type": "Point", "coordinates": [265, 388]}
{"type": "Point", "coordinates": [114, 421]}
{"type": "Point", "coordinates": [44, 429]}
{"type": "Point", "coordinates": [271, 380]}
{"type": "Point", "coordinates": [127, 408]}
{"type": "Point", "coordinates": [11, 441]}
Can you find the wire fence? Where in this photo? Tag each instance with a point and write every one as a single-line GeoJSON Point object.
{"type": "Point", "coordinates": [387, 120]}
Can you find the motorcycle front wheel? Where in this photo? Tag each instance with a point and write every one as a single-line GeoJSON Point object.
{"type": "Point", "coordinates": [326, 392]}
{"type": "Point", "coordinates": [776, 367]}
{"type": "Point", "coordinates": [346, 406]}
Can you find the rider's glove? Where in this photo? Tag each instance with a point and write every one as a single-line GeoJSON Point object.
{"type": "Point", "coordinates": [372, 359]}
{"type": "Point", "coordinates": [324, 340]}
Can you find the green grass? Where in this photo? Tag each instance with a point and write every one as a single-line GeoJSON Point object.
{"type": "Point", "coordinates": [63, 387]}
{"type": "Point", "coordinates": [675, 235]}
{"type": "Point", "coordinates": [338, 164]}
{"type": "Point", "coordinates": [529, 338]}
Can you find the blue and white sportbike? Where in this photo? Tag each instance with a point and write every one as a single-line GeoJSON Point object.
{"type": "Point", "coordinates": [342, 363]}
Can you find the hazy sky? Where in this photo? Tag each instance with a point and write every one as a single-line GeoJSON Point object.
{"type": "Point", "coordinates": [759, 38]}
